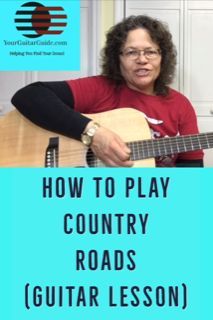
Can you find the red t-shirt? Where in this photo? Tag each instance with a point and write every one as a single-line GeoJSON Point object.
{"type": "Point", "coordinates": [167, 116]}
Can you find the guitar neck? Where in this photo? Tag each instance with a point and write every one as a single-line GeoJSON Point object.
{"type": "Point", "coordinates": [17, 149]}
{"type": "Point", "coordinates": [160, 147]}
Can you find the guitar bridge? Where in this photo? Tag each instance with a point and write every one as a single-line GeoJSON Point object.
{"type": "Point", "coordinates": [51, 155]}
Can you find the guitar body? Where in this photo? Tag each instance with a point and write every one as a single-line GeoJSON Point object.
{"type": "Point", "coordinates": [23, 144]}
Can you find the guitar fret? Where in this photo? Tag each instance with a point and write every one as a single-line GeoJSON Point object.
{"type": "Point", "coordinates": [191, 142]}
{"type": "Point", "coordinates": [199, 144]}
{"type": "Point", "coordinates": [147, 149]}
{"type": "Point", "coordinates": [164, 146]}
{"type": "Point", "coordinates": [137, 154]}
{"type": "Point", "coordinates": [184, 146]}
{"type": "Point", "coordinates": [133, 148]}
{"type": "Point", "coordinates": [138, 151]}
{"type": "Point", "coordinates": [208, 144]}
{"type": "Point", "coordinates": [158, 146]}
{"type": "Point", "coordinates": [150, 151]}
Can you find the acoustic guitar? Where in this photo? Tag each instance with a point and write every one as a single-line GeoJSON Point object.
{"type": "Point", "coordinates": [23, 144]}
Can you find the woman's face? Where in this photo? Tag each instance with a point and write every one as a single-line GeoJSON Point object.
{"type": "Point", "coordinates": [140, 68]}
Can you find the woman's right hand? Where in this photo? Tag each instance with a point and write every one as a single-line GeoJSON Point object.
{"type": "Point", "coordinates": [111, 149]}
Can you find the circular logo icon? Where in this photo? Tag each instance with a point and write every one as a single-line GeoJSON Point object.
{"type": "Point", "coordinates": [34, 20]}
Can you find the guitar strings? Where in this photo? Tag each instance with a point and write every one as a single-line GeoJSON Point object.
{"type": "Point", "coordinates": [172, 144]}
{"type": "Point", "coordinates": [158, 144]}
{"type": "Point", "coordinates": [151, 148]}
{"type": "Point", "coordinates": [145, 153]}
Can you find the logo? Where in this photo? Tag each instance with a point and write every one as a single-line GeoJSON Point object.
{"type": "Point", "coordinates": [35, 20]}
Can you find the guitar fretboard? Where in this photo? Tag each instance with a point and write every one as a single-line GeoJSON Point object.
{"type": "Point", "coordinates": [146, 149]}
{"type": "Point", "coordinates": [160, 147]}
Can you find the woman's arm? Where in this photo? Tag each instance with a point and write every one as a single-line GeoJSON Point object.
{"type": "Point", "coordinates": [51, 106]}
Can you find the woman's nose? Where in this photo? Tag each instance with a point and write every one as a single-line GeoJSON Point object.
{"type": "Point", "coordinates": [142, 57]}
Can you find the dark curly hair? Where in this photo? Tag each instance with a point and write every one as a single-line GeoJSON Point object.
{"type": "Point", "coordinates": [159, 33]}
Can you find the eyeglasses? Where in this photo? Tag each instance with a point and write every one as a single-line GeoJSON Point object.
{"type": "Point", "coordinates": [133, 54]}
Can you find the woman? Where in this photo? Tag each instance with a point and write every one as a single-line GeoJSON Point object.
{"type": "Point", "coordinates": [138, 65]}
